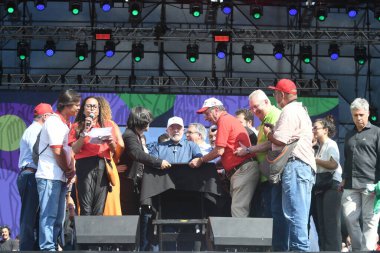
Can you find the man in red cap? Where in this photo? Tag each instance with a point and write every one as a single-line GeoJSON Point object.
{"type": "Point", "coordinates": [26, 181]}
{"type": "Point", "coordinates": [243, 171]}
{"type": "Point", "coordinates": [298, 176]}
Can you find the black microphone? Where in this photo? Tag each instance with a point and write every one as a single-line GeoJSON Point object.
{"type": "Point", "coordinates": [88, 123]}
{"type": "Point", "coordinates": [175, 149]}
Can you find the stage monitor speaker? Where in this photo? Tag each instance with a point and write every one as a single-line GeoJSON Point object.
{"type": "Point", "coordinates": [225, 232]}
{"type": "Point", "coordinates": [107, 230]}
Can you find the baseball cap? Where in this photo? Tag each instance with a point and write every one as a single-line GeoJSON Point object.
{"type": "Point", "coordinates": [285, 85]}
{"type": "Point", "coordinates": [210, 102]}
{"type": "Point", "coordinates": [43, 108]}
{"type": "Point", "coordinates": [175, 120]}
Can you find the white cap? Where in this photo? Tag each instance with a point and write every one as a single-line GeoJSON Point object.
{"type": "Point", "coordinates": [175, 120]}
{"type": "Point", "coordinates": [210, 102]}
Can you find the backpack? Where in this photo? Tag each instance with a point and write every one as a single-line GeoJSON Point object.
{"type": "Point", "coordinates": [36, 154]}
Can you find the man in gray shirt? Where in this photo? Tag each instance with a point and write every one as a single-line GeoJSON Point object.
{"type": "Point", "coordinates": [361, 171]}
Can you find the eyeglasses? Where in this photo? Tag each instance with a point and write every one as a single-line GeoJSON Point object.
{"type": "Point", "coordinates": [316, 128]}
{"type": "Point", "coordinates": [189, 132]}
{"type": "Point", "coordinates": [255, 107]}
{"type": "Point", "coordinates": [89, 106]}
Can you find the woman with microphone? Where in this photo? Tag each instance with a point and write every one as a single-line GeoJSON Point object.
{"type": "Point", "coordinates": [92, 182]}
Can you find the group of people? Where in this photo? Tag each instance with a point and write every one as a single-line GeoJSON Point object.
{"type": "Point", "coordinates": [68, 154]}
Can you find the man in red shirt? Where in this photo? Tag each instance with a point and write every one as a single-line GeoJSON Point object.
{"type": "Point", "coordinates": [242, 171]}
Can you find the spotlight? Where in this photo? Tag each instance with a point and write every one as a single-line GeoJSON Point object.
{"type": "Point", "coordinates": [352, 11]}
{"type": "Point", "coordinates": [81, 51]}
{"type": "Point", "coordinates": [377, 13]}
{"type": "Point", "coordinates": [278, 51]}
{"type": "Point", "coordinates": [306, 54]}
{"type": "Point", "coordinates": [135, 8]}
{"type": "Point", "coordinates": [106, 5]}
{"type": "Point", "coordinates": [373, 115]}
{"type": "Point", "coordinates": [321, 13]}
{"type": "Point", "coordinates": [75, 6]}
{"type": "Point", "coordinates": [292, 10]}
{"type": "Point", "coordinates": [11, 6]}
{"type": "Point", "coordinates": [256, 11]}
{"type": "Point", "coordinates": [334, 51]}
{"type": "Point", "coordinates": [227, 7]}
{"type": "Point", "coordinates": [23, 50]}
{"type": "Point", "coordinates": [137, 51]}
{"type": "Point", "coordinates": [196, 9]}
{"type": "Point", "coordinates": [221, 50]}
{"type": "Point", "coordinates": [360, 54]}
{"type": "Point", "coordinates": [40, 4]}
{"type": "Point", "coordinates": [109, 48]}
{"type": "Point", "coordinates": [247, 52]}
{"type": "Point", "coordinates": [49, 48]}
{"type": "Point", "coordinates": [192, 52]}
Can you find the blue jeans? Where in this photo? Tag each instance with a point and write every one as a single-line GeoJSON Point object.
{"type": "Point", "coordinates": [280, 238]}
{"type": "Point", "coordinates": [52, 195]}
{"type": "Point", "coordinates": [297, 182]}
{"type": "Point", "coordinates": [27, 188]}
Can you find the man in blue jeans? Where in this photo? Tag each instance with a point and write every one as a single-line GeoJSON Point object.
{"type": "Point", "coordinates": [298, 176]}
{"type": "Point", "coordinates": [26, 181]}
{"type": "Point", "coordinates": [55, 168]}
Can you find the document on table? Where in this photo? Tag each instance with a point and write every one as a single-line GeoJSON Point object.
{"type": "Point", "coordinates": [98, 135]}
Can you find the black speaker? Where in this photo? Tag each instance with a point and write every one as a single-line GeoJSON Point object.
{"type": "Point", "coordinates": [241, 233]}
{"type": "Point", "coordinates": [107, 230]}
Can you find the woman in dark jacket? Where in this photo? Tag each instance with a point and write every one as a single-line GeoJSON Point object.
{"type": "Point", "coordinates": [134, 158]}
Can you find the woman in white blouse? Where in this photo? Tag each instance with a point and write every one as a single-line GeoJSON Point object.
{"type": "Point", "coordinates": [328, 200]}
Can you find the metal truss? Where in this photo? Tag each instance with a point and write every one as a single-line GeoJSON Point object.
{"type": "Point", "coordinates": [180, 34]}
{"type": "Point", "coordinates": [156, 83]}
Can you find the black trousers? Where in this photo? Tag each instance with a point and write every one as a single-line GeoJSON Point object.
{"type": "Point", "coordinates": [92, 185]}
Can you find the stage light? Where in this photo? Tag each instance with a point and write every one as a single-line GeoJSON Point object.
{"type": "Point", "coordinates": [192, 52]}
{"type": "Point", "coordinates": [75, 6]}
{"type": "Point", "coordinates": [11, 6]}
{"type": "Point", "coordinates": [321, 13]}
{"type": "Point", "coordinates": [109, 48]}
{"type": "Point", "coordinates": [373, 116]}
{"type": "Point", "coordinates": [360, 54]}
{"type": "Point", "coordinates": [106, 5]}
{"type": "Point", "coordinates": [222, 36]}
{"type": "Point", "coordinates": [196, 9]}
{"type": "Point", "coordinates": [278, 51]}
{"type": "Point", "coordinates": [352, 11]}
{"type": "Point", "coordinates": [334, 51]}
{"type": "Point", "coordinates": [135, 8]}
{"type": "Point", "coordinates": [227, 7]}
{"type": "Point", "coordinates": [23, 50]}
{"type": "Point", "coordinates": [40, 4]}
{"type": "Point", "coordinates": [81, 51]}
{"type": "Point", "coordinates": [256, 11]}
{"type": "Point", "coordinates": [376, 12]}
{"type": "Point", "coordinates": [49, 48]}
{"type": "Point", "coordinates": [137, 51]}
{"type": "Point", "coordinates": [248, 53]}
{"type": "Point", "coordinates": [221, 50]}
{"type": "Point", "coordinates": [306, 54]}
{"type": "Point", "coordinates": [292, 10]}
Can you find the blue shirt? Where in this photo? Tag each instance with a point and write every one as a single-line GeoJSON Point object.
{"type": "Point", "coordinates": [26, 145]}
{"type": "Point", "coordinates": [181, 152]}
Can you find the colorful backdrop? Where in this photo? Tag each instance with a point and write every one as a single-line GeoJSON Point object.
{"type": "Point", "coordinates": [16, 114]}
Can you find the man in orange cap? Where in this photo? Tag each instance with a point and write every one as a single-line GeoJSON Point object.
{"type": "Point", "coordinates": [26, 181]}
{"type": "Point", "coordinates": [298, 176]}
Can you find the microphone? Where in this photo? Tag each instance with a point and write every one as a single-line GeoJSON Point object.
{"type": "Point", "coordinates": [174, 149]}
{"type": "Point", "coordinates": [92, 116]}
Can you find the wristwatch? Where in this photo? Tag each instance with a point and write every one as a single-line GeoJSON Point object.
{"type": "Point", "coordinates": [248, 150]}
{"type": "Point", "coordinates": [83, 134]}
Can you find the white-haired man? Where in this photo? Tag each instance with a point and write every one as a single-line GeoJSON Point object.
{"type": "Point", "coordinates": [361, 170]}
{"type": "Point", "coordinates": [197, 133]}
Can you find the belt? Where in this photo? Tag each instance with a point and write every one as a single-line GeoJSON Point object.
{"type": "Point", "coordinates": [232, 171]}
{"type": "Point", "coordinates": [28, 169]}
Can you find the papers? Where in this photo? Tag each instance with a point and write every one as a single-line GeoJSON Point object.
{"type": "Point", "coordinates": [98, 135]}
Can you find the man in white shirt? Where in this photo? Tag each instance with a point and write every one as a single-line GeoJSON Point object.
{"type": "Point", "coordinates": [55, 167]}
{"type": "Point", "coordinates": [197, 133]}
{"type": "Point", "coordinates": [26, 181]}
